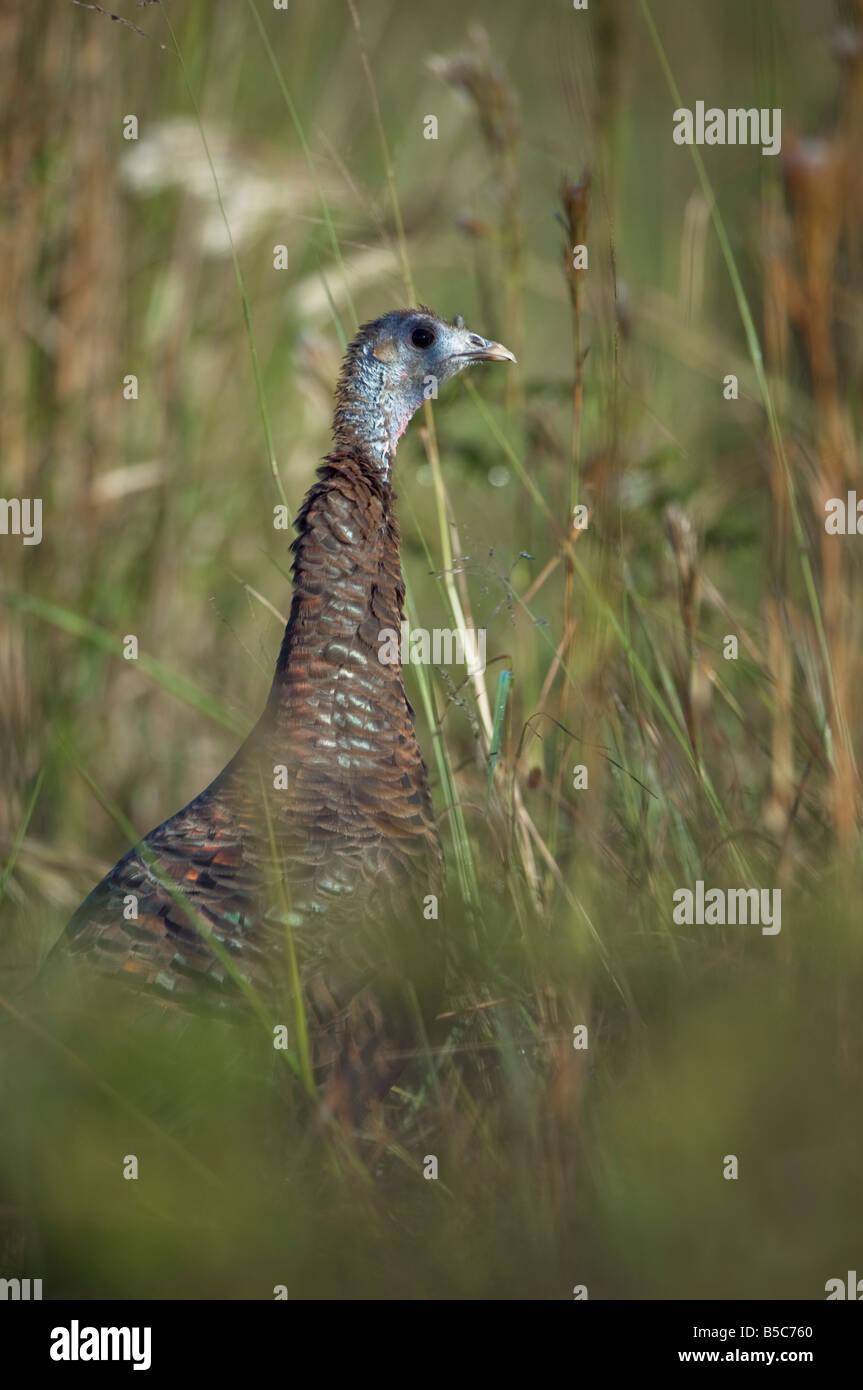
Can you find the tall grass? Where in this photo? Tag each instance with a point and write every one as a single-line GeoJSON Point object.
{"type": "Point", "coordinates": [557, 1165]}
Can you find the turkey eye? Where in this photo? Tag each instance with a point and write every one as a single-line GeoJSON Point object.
{"type": "Point", "coordinates": [422, 337]}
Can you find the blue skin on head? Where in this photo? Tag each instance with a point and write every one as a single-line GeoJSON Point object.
{"type": "Point", "coordinates": [392, 367]}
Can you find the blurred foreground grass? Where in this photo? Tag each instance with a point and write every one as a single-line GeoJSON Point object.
{"type": "Point", "coordinates": [556, 1166]}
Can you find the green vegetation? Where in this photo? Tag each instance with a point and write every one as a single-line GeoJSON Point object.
{"type": "Point", "coordinates": [557, 1166]}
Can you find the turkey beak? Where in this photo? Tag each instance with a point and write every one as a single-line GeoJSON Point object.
{"type": "Point", "coordinates": [494, 352]}
{"type": "Point", "coordinates": [482, 350]}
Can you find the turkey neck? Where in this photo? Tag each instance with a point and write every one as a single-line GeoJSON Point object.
{"type": "Point", "coordinates": [330, 682]}
{"type": "Point", "coordinates": [332, 695]}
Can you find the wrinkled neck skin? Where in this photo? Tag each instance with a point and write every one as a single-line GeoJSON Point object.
{"type": "Point", "coordinates": [374, 409]}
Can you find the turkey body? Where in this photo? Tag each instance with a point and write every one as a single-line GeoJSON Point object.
{"type": "Point", "coordinates": [312, 854]}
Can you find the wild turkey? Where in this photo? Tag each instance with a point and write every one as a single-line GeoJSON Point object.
{"type": "Point", "coordinates": [309, 862]}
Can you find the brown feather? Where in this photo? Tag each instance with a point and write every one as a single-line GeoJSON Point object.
{"type": "Point", "coordinates": [339, 861]}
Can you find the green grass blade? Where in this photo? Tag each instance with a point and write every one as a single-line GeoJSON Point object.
{"type": "Point", "coordinates": [184, 689]}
